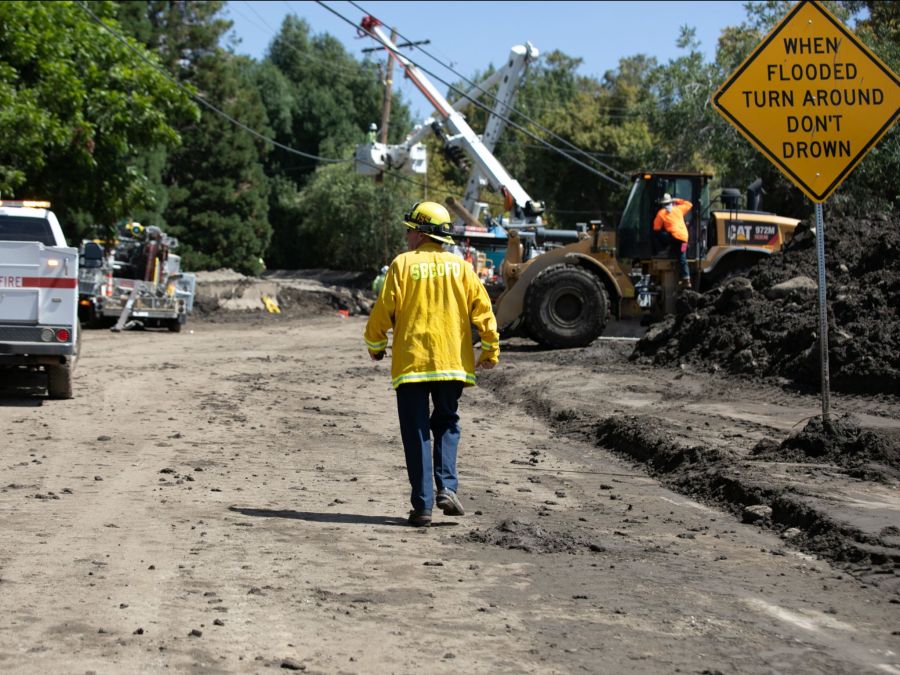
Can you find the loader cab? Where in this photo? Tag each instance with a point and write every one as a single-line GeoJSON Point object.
{"type": "Point", "coordinates": [634, 233]}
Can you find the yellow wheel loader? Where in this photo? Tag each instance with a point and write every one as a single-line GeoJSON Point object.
{"type": "Point", "coordinates": [565, 296]}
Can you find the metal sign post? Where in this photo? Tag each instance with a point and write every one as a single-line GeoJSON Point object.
{"type": "Point", "coordinates": [823, 317]}
{"type": "Point", "coordinates": [814, 100]}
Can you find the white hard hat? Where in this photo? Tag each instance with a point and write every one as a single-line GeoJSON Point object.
{"type": "Point", "coordinates": [373, 126]}
{"type": "Point", "coordinates": [667, 199]}
{"type": "Point", "coordinates": [384, 269]}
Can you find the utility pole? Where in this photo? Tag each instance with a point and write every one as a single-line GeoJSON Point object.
{"type": "Point", "coordinates": [385, 120]}
{"type": "Point", "coordinates": [386, 106]}
{"type": "Point", "coordinates": [388, 83]}
{"type": "Point", "coordinates": [386, 115]}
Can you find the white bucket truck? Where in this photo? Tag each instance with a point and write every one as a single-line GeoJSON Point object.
{"type": "Point", "coordinates": [39, 328]}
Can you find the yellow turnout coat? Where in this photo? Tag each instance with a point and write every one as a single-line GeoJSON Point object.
{"type": "Point", "coordinates": [430, 299]}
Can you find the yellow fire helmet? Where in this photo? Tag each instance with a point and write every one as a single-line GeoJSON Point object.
{"type": "Point", "coordinates": [136, 230]}
{"type": "Point", "coordinates": [430, 218]}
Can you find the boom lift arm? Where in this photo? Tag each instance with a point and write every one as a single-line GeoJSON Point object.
{"type": "Point", "coordinates": [508, 79]}
{"type": "Point", "coordinates": [526, 210]}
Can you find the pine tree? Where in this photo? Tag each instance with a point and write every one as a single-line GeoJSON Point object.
{"type": "Point", "coordinates": [218, 191]}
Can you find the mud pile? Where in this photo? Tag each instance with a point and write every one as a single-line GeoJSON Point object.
{"type": "Point", "coordinates": [530, 538]}
{"type": "Point", "coordinates": [863, 454]}
{"type": "Point", "coordinates": [225, 295]}
{"type": "Point", "coordinates": [766, 325]}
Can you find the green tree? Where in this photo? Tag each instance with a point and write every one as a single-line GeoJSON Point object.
{"type": "Point", "coordinates": [319, 99]}
{"type": "Point", "coordinates": [569, 109]}
{"type": "Point", "coordinates": [218, 191]}
{"type": "Point", "coordinates": [179, 32]}
{"type": "Point", "coordinates": [212, 191]}
{"type": "Point", "coordinates": [335, 96]}
{"type": "Point", "coordinates": [873, 185]}
{"type": "Point", "coordinates": [77, 106]}
{"type": "Point", "coordinates": [349, 222]}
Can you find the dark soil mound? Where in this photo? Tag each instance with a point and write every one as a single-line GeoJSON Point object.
{"type": "Point", "coordinates": [767, 325]}
{"type": "Point", "coordinates": [863, 453]}
{"type": "Point", "coordinates": [515, 535]}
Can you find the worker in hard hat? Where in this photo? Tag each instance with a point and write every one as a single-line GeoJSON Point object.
{"type": "Point", "coordinates": [378, 282]}
{"type": "Point", "coordinates": [372, 136]}
{"type": "Point", "coordinates": [430, 300]}
{"type": "Point", "coordinates": [670, 230]}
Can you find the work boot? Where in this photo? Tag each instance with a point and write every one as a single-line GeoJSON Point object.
{"type": "Point", "coordinates": [448, 502]}
{"type": "Point", "coordinates": [420, 517]}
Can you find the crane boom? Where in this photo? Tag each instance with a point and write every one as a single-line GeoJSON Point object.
{"type": "Point", "coordinates": [516, 199]}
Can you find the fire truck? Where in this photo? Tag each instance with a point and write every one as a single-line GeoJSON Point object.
{"type": "Point", "coordinates": [39, 330]}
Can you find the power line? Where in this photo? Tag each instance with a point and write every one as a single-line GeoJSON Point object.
{"type": "Point", "coordinates": [200, 99]}
{"type": "Point", "coordinates": [244, 127]}
{"type": "Point", "coordinates": [514, 125]}
{"type": "Point", "coordinates": [238, 123]}
{"type": "Point", "coordinates": [507, 106]}
{"type": "Point", "coordinates": [519, 144]}
{"type": "Point", "coordinates": [347, 70]}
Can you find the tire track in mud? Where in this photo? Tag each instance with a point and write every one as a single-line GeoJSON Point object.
{"type": "Point", "coordinates": [711, 465]}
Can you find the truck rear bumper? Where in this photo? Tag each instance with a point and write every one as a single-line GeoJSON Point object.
{"type": "Point", "coordinates": [18, 339]}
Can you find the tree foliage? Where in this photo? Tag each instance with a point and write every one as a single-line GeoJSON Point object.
{"type": "Point", "coordinates": [321, 99]}
{"type": "Point", "coordinates": [179, 32]}
{"type": "Point", "coordinates": [347, 221]}
{"type": "Point", "coordinates": [76, 110]}
{"type": "Point", "coordinates": [217, 188]}
{"type": "Point", "coordinates": [213, 189]}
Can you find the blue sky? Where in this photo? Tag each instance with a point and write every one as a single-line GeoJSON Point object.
{"type": "Point", "coordinates": [472, 35]}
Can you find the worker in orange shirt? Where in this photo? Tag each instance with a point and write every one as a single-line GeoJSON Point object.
{"type": "Point", "coordinates": [670, 230]}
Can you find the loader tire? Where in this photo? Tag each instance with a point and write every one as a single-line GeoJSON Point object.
{"type": "Point", "coordinates": [566, 306]}
{"type": "Point", "coordinates": [59, 381]}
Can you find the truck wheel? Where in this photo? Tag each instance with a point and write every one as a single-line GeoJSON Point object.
{"type": "Point", "coordinates": [59, 381]}
{"type": "Point", "coordinates": [174, 325]}
{"type": "Point", "coordinates": [566, 306]}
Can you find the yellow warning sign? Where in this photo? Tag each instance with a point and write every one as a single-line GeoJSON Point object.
{"type": "Point", "coordinates": [812, 98]}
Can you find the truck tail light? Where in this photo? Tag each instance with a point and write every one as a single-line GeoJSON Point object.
{"type": "Point", "coordinates": [63, 335]}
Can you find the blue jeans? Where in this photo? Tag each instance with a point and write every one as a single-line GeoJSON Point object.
{"type": "Point", "coordinates": [666, 240]}
{"type": "Point", "coordinates": [425, 459]}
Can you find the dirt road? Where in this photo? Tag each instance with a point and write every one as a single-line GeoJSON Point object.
{"type": "Point", "coordinates": [233, 500]}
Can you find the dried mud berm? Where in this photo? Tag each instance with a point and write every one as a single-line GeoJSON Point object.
{"type": "Point", "coordinates": [767, 324]}
{"type": "Point", "coordinates": [864, 454]}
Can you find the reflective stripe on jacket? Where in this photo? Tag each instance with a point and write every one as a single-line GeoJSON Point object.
{"type": "Point", "coordinates": [673, 222]}
{"type": "Point", "coordinates": [430, 300]}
